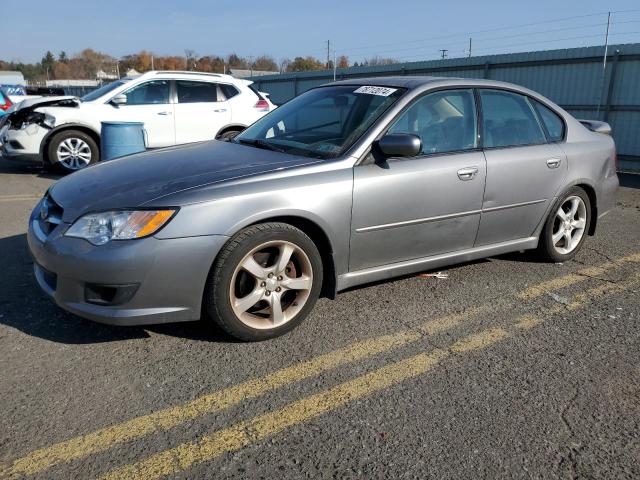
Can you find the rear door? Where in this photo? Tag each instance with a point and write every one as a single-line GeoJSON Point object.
{"type": "Point", "coordinates": [525, 169]}
{"type": "Point", "coordinates": [148, 102]}
{"type": "Point", "coordinates": [201, 110]}
{"type": "Point", "coordinates": [407, 208]}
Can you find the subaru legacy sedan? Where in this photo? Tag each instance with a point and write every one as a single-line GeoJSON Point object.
{"type": "Point", "coordinates": [349, 183]}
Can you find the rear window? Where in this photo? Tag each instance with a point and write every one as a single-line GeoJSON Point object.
{"type": "Point", "coordinates": [255, 90]}
{"type": "Point", "coordinates": [196, 92]}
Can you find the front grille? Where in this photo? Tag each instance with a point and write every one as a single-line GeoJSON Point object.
{"type": "Point", "coordinates": [50, 215]}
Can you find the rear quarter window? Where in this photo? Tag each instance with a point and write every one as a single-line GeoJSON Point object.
{"type": "Point", "coordinates": [228, 91]}
{"type": "Point", "coordinates": [552, 122]}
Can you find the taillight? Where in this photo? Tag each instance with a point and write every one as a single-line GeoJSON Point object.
{"type": "Point", "coordinates": [6, 105]}
{"type": "Point", "coordinates": [262, 105]}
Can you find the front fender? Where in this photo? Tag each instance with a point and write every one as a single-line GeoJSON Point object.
{"type": "Point", "coordinates": [65, 126]}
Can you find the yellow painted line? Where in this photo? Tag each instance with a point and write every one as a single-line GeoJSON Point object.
{"type": "Point", "coordinates": [235, 437]}
{"type": "Point", "coordinates": [105, 438]}
{"type": "Point", "coordinates": [571, 279]}
{"type": "Point", "coordinates": [18, 198]}
{"type": "Point", "coordinates": [581, 299]}
{"type": "Point", "coordinates": [528, 321]}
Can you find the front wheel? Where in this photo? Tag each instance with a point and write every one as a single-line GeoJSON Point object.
{"type": "Point", "coordinates": [72, 150]}
{"type": "Point", "coordinates": [566, 228]}
{"type": "Point", "coordinates": [264, 282]}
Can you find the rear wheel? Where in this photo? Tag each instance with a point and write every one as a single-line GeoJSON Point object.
{"type": "Point", "coordinates": [228, 135]}
{"type": "Point", "coordinates": [265, 282]}
{"type": "Point", "coordinates": [566, 228]}
{"type": "Point", "coordinates": [72, 150]}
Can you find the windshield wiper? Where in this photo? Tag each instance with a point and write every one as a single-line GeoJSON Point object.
{"type": "Point", "coordinates": [261, 144]}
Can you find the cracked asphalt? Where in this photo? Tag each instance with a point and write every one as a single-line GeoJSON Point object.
{"type": "Point", "coordinates": [508, 368]}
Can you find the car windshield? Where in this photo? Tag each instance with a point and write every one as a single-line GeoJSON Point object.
{"type": "Point", "coordinates": [323, 122]}
{"type": "Point", "coordinates": [103, 90]}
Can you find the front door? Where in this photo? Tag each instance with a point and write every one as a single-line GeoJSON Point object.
{"type": "Point", "coordinates": [201, 111]}
{"type": "Point", "coordinates": [407, 208]}
{"type": "Point", "coordinates": [149, 103]}
{"type": "Point", "coordinates": [525, 168]}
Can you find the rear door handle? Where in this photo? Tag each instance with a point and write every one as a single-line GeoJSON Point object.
{"type": "Point", "coordinates": [220, 110]}
{"type": "Point", "coordinates": [553, 162]}
{"type": "Point", "coordinates": [164, 113]}
{"type": "Point", "coordinates": [467, 173]}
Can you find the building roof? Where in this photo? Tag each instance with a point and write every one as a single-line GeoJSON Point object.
{"type": "Point", "coordinates": [242, 73]}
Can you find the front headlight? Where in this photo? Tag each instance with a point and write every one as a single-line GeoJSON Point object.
{"type": "Point", "coordinates": [100, 228]}
{"type": "Point", "coordinates": [43, 119]}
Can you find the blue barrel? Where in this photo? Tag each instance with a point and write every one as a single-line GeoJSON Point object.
{"type": "Point", "coordinates": [118, 139]}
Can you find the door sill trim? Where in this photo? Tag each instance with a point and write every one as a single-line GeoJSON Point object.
{"type": "Point", "coordinates": [386, 272]}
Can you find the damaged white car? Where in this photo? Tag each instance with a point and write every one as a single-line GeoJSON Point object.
{"type": "Point", "coordinates": [175, 107]}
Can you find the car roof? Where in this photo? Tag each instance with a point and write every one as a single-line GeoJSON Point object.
{"type": "Point", "coordinates": [412, 82]}
{"type": "Point", "coordinates": [394, 81]}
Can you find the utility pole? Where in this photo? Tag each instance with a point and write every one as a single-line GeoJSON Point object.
{"type": "Point", "coordinates": [335, 65]}
{"type": "Point", "coordinates": [470, 47]}
{"type": "Point", "coordinates": [604, 60]}
{"type": "Point", "coordinates": [328, 50]}
{"type": "Point", "coordinates": [152, 63]}
{"type": "Point", "coordinates": [444, 53]}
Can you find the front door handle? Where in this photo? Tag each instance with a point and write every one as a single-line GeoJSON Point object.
{"type": "Point", "coordinates": [164, 113]}
{"type": "Point", "coordinates": [220, 110]}
{"type": "Point", "coordinates": [553, 162]}
{"type": "Point", "coordinates": [467, 173]}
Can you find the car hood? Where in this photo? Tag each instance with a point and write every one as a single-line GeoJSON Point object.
{"type": "Point", "coordinates": [66, 100]}
{"type": "Point", "coordinates": [139, 179]}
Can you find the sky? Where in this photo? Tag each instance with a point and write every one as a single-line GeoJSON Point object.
{"type": "Point", "coordinates": [408, 30]}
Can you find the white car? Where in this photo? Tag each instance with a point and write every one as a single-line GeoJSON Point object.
{"type": "Point", "coordinates": [175, 107]}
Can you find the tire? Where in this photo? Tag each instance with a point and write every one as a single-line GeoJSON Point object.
{"type": "Point", "coordinates": [79, 149]}
{"type": "Point", "coordinates": [563, 249]}
{"type": "Point", "coordinates": [228, 135]}
{"type": "Point", "coordinates": [242, 303]}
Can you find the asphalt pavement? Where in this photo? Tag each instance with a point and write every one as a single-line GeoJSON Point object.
{"type": "Point", "coordinates": [507, 368]}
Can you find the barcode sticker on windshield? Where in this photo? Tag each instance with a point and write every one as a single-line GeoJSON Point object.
{"type": "Point", "coordinates": [371, 90]}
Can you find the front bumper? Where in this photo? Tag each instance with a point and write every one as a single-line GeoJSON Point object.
{"type": "Point", "coordinates": [167, 276]}
{"type": "Point", "coordinates": [22, 144]}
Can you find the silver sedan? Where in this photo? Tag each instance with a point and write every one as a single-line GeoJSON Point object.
{"type": "Point", "coordinates": [349, 183]}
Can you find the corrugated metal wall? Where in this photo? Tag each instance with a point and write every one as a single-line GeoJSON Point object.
{"type": "Point", "coordinates": [573, 78]}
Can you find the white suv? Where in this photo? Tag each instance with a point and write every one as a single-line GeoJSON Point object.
{"type": "Point", "coordinates": [176, 108]}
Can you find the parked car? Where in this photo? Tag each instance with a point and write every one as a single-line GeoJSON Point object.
{"type": "Point", "coordinates": [5, 102]}
{"type": "Point", "coordinates": [176, 108]}
{"type": "Point", "coordinates": [349, 183]}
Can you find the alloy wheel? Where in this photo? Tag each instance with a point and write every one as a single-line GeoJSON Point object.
{"type": "Point", "coordinates": [74, 153]}
{"type": "Point", "coordinates": [569, 225]}
{"type": "Point", "coordinates": [271, 284]}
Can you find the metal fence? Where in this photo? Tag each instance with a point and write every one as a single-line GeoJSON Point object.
{"type": "Point", "coordinates": [575, 79]}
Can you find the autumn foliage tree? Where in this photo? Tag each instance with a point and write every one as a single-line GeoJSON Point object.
{"type": "Point", "coordinates": [86, 64]}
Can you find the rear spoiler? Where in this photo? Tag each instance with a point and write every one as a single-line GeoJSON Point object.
{"type": "Point", "coordinates": [596, 126]}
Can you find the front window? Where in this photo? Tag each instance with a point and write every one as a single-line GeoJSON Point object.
{"type": "Point", "coordinates": [149, 93]}
{"type": "Point", "coordinates": [103, 90]}
{"type": "Point", "coordinates": [323, 122]}
{"type": "Point", "coordinates": [445, 121]}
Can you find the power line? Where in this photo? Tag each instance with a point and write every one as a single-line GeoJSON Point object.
{"type": "Point", "coordinates": [533, 43]}
{"type": "Point", "coordinates": [377, 52]}
{"type": "Point", "coordinates": [478, 32]}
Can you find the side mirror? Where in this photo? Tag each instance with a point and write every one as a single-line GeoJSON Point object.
{"type": "Point", "coordinates": [119, 100]}
{"type": "Point", "coordinates": [400, 145]}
